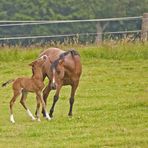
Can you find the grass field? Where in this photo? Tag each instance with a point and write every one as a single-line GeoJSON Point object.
{"type": "Point", "coordinates": [111, 104]}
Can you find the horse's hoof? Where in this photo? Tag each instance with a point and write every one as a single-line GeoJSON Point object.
{"type": "Point", "coordinates": [50, 115]}
{"type": "Point", "coordinates": [48, 118]}
{"type": "Point", "coordinates": [44, 115]}
{"type": "Point", "coordinates": [70, 114]}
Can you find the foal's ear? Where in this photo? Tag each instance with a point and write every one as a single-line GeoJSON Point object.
{"type": "Point", "coordinates": [31, 64]}
{"type": "Point", "coordinates": [61, 61]}
{"type": "Point", "coordinates": [45, 57]}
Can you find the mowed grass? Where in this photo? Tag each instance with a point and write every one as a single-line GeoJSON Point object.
{"type": "Point", "coordinates": [111, 103]}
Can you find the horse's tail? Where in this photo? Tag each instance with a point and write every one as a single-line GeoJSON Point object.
{"type": "Point", "coordinates": [7, 82]}
{"type": "Point", "coordinates": [77, 62]}
{"type": "Point", "coordinates": [73, 53]}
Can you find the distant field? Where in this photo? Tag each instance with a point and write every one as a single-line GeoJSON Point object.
{"type": "Point", "coordinates": [111, 104]}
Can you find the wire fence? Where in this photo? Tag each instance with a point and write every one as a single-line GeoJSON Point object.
{"type": "Point", "coordinates": [92, 30]}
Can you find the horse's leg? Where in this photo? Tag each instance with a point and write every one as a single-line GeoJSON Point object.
{"type": "Point", "coordinates": [38, 108]}
{"type": "Point", "coordinates": [16, 94]}
{"type": "Point", "coordinates": [23, 102]}
{"type": "Point", "coordinates": [55, 99]}
{"type": "Point", "coordinates": [46, 92]}
{"type": "Point", "coordinates": [43, 104]}
{"type": "Point", "coordinates": [71, 100]}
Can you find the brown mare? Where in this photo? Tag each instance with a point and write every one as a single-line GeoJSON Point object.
{"type": "Point", "coordinates": [23, 85]}
{"type": "Point", "coordinates": [62, 68]}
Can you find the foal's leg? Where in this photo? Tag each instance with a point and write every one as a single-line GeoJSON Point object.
{"type": "Point", "coordinates": [23, 102]}
{"type": "Point", "coordinates": [46, 92]}
{"type": "Point", "coordinates": [43, 104]}
{"type": "Point", "coordinates": [71, 100]}
{"type": "Point", "coordinates": [55, 99]}
{"type": "Point", "coordinates": [16, 94]}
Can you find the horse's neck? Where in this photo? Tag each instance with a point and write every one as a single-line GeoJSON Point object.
{"type": "Point", "coordinates": [38, 74]}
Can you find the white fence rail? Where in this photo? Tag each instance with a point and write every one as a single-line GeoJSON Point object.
{"type": "Point", "coordinates": [9, 23]}
{"type": "Point", "coordinates": [69, 21]}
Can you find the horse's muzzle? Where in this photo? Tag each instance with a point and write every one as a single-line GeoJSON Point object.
{"type": "Point", "coordinates": [53, 86]}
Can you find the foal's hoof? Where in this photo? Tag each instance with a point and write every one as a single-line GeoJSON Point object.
{"type": "Point", "coordinates": [33, 119]}
{"type": "Point", "coordinates": [38, 119]}
{"type": "Point", "coordinates": [12, 122]}
{"type": "Point", "coordinates": [12, 119]}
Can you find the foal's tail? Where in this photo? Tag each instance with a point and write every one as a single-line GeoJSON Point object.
{"type": "Point", "coordinates": [7, 82]}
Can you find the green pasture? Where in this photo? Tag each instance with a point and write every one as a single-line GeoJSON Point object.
{"type": "Point", "coordinates": [111, 103]}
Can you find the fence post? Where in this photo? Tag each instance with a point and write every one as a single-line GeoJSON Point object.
{"type": "Point", "coordinates": [144, 33]}
{"type": "Point", "coordinates": [99, 32]}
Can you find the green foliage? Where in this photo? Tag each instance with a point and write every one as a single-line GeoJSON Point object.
{"type": "Point", "coordinates": [68, 9]}
{"type": "Point", "coordinates": [110, 107]}
{"type": "Point", "coordinates": [116, 51]}
{"type": "Point", "coordinates": [9, 55]}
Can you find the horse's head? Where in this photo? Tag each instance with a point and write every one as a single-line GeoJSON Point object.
{"type": "Point", "coordinates": [57, 72]}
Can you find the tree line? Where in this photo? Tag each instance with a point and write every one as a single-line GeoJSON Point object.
{"type": "Point", "coordinates": [65, 10]}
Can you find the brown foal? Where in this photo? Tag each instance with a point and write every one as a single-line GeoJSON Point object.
{"type": "Point", "coordinates": [23, 85]}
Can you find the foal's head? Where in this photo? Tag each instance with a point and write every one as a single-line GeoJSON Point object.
{"type": "Point", "coordinates": [57, 72]}
{"type": "Point", "coordinates": [38, 63]}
